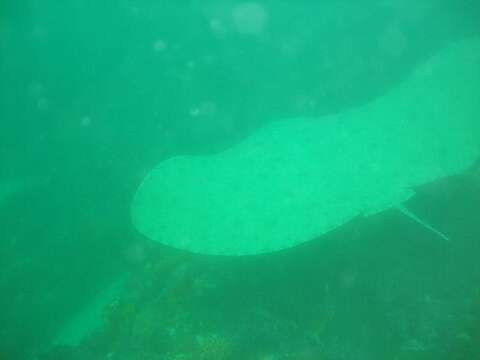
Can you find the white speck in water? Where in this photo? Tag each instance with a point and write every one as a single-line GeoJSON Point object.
{"type": "Point", "coordinates": [393, 41]}
{"type": "Point", "coordinates": [39, 32]}
{"type": "Point", "coordinates": [203, 109]}
{"type": "Point", "coordinates": [194, 112]}
{"type": "Point", "coordinates": [85, 121]}
{"type": "Point", "coordinates": [217, 26]}
{"type": "Point", "coordinates": [36, 89]}
{"type": "Point", "coordinates": [414, 345]}
{"type": "Point", "coordinates": [250, 18]}
{"type": "Point", "coordinates": [160, 46]}
{"type": "Point", "coordinates": [43, 104]}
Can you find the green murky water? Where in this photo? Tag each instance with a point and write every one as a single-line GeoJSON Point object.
{"type": "Point", "coordinates": [94, 94]}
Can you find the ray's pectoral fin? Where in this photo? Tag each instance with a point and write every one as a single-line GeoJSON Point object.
{"type": "Point", "coordinates": [294, 180]}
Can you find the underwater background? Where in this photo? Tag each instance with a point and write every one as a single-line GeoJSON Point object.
{"type": "Point", "coordinates": [93, 94]}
